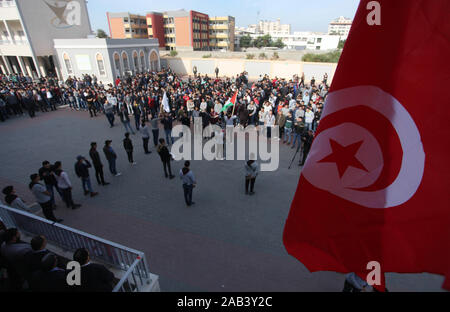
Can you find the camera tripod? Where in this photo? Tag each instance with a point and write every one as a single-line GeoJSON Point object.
{"type": "Point", "coordinates": [295, 155]}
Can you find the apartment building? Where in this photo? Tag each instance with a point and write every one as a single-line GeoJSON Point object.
{"type": "Point", "coordinates": [221, 32]}
{"type": "Point", "coordinates": [340, 26]}
{"type": "Point", "coordinates": [175, 30]}
{"type": "Point", "coordinates": [186, 30]}
{"type": "Point", "coordinates": [155, 27]}
{"type": "Point", "coordinates": [28, 27]}
{"type": "Point", "coordinates": [124, 25]}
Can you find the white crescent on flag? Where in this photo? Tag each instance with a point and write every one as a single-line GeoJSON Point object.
{"type": "Point", "coordinates": [364, 164]}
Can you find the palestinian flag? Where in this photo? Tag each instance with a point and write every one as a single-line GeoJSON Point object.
{"type": "Point", "coordinates": [230, 103]}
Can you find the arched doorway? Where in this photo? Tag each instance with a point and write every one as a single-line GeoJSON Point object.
{"type": "Point", "coordinates": [154, 61]}
{"type": "Point", "coordinates": [135, 62]}
{"type": "Point", "coordinates": [117, 64]}
{"type": "Point", "coordinates": [142, 57]}
{"type": "Point", "coordinates": [126, 64]}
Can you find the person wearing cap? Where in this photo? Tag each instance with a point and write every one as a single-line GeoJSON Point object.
{"type": "Point", "coordinates": [97, 162]}
{"type": "Point", "coordinates": [82, 170]}
{"type": "Point", "coordinates": [111, 156]}
{"type": "Point", "coordinates": [13, 200]}
{"type": "Point", "coordinates": [42, 197]}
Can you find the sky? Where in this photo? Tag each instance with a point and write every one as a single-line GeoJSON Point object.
{"type": "Point", "coordinates": [303, 15]}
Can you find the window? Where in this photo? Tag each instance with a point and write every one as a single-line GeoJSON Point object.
{"type": "Point", "coordinates": [67, 64]}
{"type": "Point", "coordinates": [117, 63]}
{"type": "Point", "coordinates": [135, 60]}
{"type": "Point", "coordinates": [142, 56]}
{"type": "Point", "coordinates": [126, 65]}
{"type": "Point", "coordinates": [319, 40]}
{"type": "Point", "coordinates": [100, 65]}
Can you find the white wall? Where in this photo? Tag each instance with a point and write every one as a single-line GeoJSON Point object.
{"type": "Point", "coordinates": [42, 25]}
{"type": "Point", "coordinates": [232, 67]}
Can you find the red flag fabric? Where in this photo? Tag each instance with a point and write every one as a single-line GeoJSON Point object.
{"type": "Point", "coordinates": [375, 186]}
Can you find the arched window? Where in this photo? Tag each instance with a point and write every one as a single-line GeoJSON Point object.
{"type": "Point", "coordinates": [154, 61]}
{"type": "Point", "coordinates": [142, 55]}
{"type": "Point", "coordinates": [135, 61]}
{"type": "Point", "coordinates": [100, 64]}
{"type": "Point", "coordinates": [126, 64]}
{"type": "Point", "coordinates": [68, 64]}
{"type": "Point", "coordinates": [117, 63]}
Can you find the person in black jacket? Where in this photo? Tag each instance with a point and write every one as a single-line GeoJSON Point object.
{"type": "Point", "coordinates": [111, 156]}
{"type": "Point", "coordinates": [128, 146]}
{"type": "Point", "coordinates": [28, 102]}
{"type": "Point", "coordinates": [307, 139]}
{"type": "Point", "coordinates": [125, 119]}
{"type": "Point", "coordinates": [82, 170]}
{"type": "Point", "coordinates": [98, 166]}
{"type": "Point", "coordinates": [49, 278]}
{"type": "Point", "coordinates": [164, 153]}
{"type": "Point", "coordinates": [46, 174]}
{"type": "Point", "coordinates": [94, 277]}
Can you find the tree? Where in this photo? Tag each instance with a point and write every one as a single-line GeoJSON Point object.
{"type": "Point", "coordinates": [263, 41]}
{"type": "Point", "coordinates": [279, 44]}
{"type": "Point", "coordinates": [245, 41]}
{"type": "Point", "coordinates": [341, 44]}
{"type": "Point", "coordinates": [101, 33]}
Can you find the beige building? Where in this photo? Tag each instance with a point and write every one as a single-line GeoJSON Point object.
{"type": "Point", "coordinates": [274, 28]}
{"type": "Point", "coordinates": [124, 25]}
{"type": "Point", "coordinates": [28, 27]}
{"type": "Point", "coordinates": [340, 26]}
{"type": "Point", "coordinates": [221, 32]}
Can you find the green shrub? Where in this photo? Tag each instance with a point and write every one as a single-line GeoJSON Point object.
{"type": "Point", "coordinates": [173, 53]}
{"type": "Point", "coordinates": [275, 56]}
{"type": "Point", "coordinates": [263, 56]}
{"type": "Point", "coordinates": [330, 57]}
{"type": "Point", "coordinates": [250, 56]}
{"type": "Point", "coordinates": [207, 55]}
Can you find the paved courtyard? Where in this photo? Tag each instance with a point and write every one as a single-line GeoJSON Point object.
{"type": "Point", "coordinates": [227, 241]}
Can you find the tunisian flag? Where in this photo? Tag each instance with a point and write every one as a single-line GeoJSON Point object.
{"type": "Point", "coordinates": [376, 184]}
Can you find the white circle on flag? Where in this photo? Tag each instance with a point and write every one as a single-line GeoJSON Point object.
{"type": "Point", "coordinates": [324, 174]}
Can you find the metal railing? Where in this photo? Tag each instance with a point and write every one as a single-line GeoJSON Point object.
{"type": "Point", "coordinates": [132, 262]}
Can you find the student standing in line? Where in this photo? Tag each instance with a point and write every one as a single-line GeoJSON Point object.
{"type": "Point", "coordinates": [98, 166]}
{"type": "Point", "coordinates": [128, 146]}
{"type": "Point", "coordinates": [111, 156]}
{"type": "Point", "coordinates": [189, 182]}
{"type": "Point", "coordinates": [64, 185]}
{"type": "Point", "coordinates": [145, 137]}
{"type": "Point", "coordinates": [164, 153]}
{"type": "Point", "coordinates": [251, 172]}
{"type": "Point", "coordinates": [82, 170]}
{"type": "Point", "coordinates": [43, 198]}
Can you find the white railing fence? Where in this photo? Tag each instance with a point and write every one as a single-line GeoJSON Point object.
{"type": "Point", "coordinates": [132, 262]}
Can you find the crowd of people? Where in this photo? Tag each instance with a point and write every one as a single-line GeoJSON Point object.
{"type": "Point", "coordinates": [139, 102]}
{"type": "Point", "coordinates": [32, 267]}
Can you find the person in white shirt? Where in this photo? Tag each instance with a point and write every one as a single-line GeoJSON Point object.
{"type": "Point", "coordinates": [13, 200]}
{"type": "Point", "coordinates": [64, 185]}
{"type": "Point", "coordinates": [309, 117]}
{"type": "Point", "coordinates": [203, 106]}
{"type": "Point", "coordinates": [269, 123]}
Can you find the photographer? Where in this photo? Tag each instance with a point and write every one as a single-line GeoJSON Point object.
{"type": "Point", "coordinates": [307, 140]}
